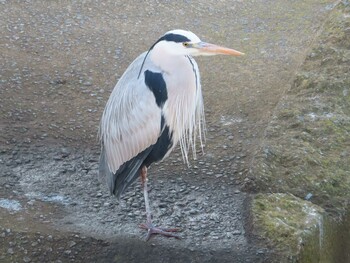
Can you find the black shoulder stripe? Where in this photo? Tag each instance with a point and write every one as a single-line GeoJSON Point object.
{"type": "Point", "coordinates": [155, 82]}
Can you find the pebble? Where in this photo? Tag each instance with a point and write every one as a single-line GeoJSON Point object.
{"type": "Point", "coordinates": [34, 244]}
{"type": "Point", "coordinates": [162, 205]}
{"type": "Point", "coordinates": [57, 158]}
{"type": "Point", "coordinates": [65, 152]}
{"type": "Point", "coordinates": [308, 196]}
{"type": "Point", "coordinates": [237, 232]}
{"type": "Point", "coordinates": [229, 235]}
{"type": "Point", "coordinates": [71, 244]}
{"type": "Point", "coordinates": [132, 215]}
{"type": "Point", "coordinates": [193, 211]}
{"type": "Point", "coordinates": [260, 252]}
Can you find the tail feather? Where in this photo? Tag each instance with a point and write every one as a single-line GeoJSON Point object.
{"type": "Point", "coordinates": [106, 176]}
{"type": "Point", "coordinates": [125, 175]}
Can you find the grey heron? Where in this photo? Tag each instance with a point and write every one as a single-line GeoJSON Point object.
{"type": "Point", "coordinates": [156, 104]}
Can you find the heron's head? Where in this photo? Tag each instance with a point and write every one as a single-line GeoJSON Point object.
{"type": "Point", "coordinates": [182, 42]}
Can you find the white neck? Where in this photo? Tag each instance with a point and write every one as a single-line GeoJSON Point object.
{"type": "Point", "coordinates": [167, 61]}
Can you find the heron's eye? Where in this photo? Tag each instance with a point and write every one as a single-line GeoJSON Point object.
{"type": "Point", "coordinates": [186, 44]}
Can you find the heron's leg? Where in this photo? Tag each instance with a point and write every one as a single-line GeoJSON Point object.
{"type": "Point", "coordinates": [148, 225]}
{"type": "Point", "coordinates": [144, 181]}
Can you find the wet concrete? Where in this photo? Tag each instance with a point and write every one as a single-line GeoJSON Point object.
{"type": "Point", "coordinates": [330, 244]}
{"type": "Point", "coordinates": [59, 63]}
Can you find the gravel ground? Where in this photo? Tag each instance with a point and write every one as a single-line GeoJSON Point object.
{"type": "Point", "coordinates": [202, 201]}
{"type": "Point", "coordinates": [59, 62]}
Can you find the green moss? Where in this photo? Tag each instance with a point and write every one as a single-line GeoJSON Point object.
{"type": "Point", "coordinates": [285, 220]}
{"type": "Point", "coordinates": [306, 148]}
{"type": "Point", "coordinates": [288, 113]}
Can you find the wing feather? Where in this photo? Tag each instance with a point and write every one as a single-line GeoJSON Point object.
{"type": "Point", "coordinates": [131, 120]}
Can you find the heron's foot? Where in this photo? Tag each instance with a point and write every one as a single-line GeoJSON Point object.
{"type": "Point", "coordinates": [152, 230]}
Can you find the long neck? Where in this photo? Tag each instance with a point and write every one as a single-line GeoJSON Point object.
{"type": "Point", "coordinates": [183, 111]}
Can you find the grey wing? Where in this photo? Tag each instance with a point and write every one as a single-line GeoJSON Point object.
{"type": "Point", "coordinates": [131, 123]}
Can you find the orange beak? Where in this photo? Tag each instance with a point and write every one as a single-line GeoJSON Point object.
{"type": "Point", "coordinates": [211, 49]}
